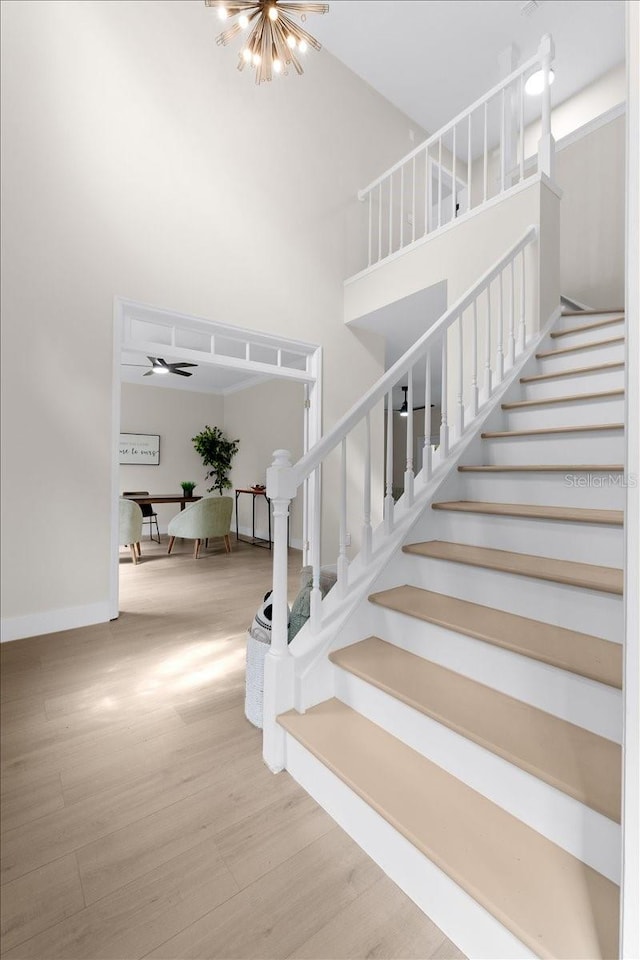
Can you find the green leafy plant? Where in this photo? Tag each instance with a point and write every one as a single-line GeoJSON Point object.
{"type": "Point", "coordinates": [217, 452]}
{"type": "Point", "coordinates": [188, 486]}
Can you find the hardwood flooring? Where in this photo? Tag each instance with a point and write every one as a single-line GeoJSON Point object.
{"type": "Point", "coordinates": [138, 819]}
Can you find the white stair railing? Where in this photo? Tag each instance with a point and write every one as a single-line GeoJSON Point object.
{"type": "Point", "coordinates": [476, 157]}
{"type": "Point", "coordinates": [494, 309]}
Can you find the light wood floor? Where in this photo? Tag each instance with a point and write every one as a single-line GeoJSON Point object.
{"type": "Point", "coordinates": [138, 819]}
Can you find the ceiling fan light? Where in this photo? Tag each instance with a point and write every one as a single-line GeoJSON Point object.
{"type": "Point", "coordinates": [535, 83]}
{"type": "Point", "coordinates": [161, 371]}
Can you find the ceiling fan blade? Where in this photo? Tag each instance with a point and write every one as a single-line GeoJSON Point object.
{"type": "Point", "coordinates": [154, 360]}
{"type": "Point", "coordinates": [149, 373]}
{"type": "Point", "coordinates": [163, 363]}
{"type": "Point", "coordinates": [181, 373]}
{"type": "Point", "coordinates": [174, 366]}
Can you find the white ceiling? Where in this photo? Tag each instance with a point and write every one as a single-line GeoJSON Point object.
{"type": "Point", "coordinates": [207, 378]}
{"type": "Point", "coordinates": [432, 58]}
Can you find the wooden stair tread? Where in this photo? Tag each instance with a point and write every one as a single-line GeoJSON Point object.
{"type": "Point", "coordinates": [569, 398]}
{"type": "Point", "coordinates": [542, 468]}
{"type": "Point", "coordinates": [571, 759]}
{"type": "Point", "coordinates": [582, 346]}
{"type": "Point", "coordinates": [597, 368]}
{"type": "Point", "coordinates": [554, 903]}
{"type": "Point", "coordinates": [591, 313]}
{"type": "Point", "coordinates": [534, 511]}
{"type": "Point", "coordinates": [586, 575]}
{"type": "Point", "coordinates": [586, 326]}
{"type": "Point", "coordinates": [542, 431]}
{"type": "Point", "coordinates": [565, 649]}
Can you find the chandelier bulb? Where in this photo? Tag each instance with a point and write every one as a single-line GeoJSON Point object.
{"type": "Point", "coordinates": [257, 59]}
{"type": "Point", "coordinates": [277, 66]}
{"type": "Point", "coordinates": [244, 21]}
{"type": "Point", "coordinates": [291, 41]}
{"type": "Point", "coordinates": [273, 13]}
{"type": "Point", "coordinates": [246, 55]}
{"type": "Point", "coordinates": [222, 12]}
{"type": "Point", "coordinates": [302, 46]}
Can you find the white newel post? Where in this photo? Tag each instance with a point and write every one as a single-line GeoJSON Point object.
{"type": "Point", "coordinates": [546, 146]}
{"type": "Point", "coordinates": [278, 665]}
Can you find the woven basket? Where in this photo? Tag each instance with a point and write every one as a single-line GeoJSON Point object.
{"type": "Point", "coordinates": [254, 683]}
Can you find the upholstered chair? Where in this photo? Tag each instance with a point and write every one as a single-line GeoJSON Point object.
{"type": "Point", "coordinates": [130, 527]}
{"type": "Point", "coordinates": [203, 520]}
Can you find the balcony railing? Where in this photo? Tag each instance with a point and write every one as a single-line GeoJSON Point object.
{"type": "Point", "coordinates": [475, 158]}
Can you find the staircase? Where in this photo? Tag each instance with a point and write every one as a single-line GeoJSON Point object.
{"type": "Point", "coordinates": [472, 741]}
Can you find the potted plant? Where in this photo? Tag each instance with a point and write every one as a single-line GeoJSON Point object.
{"type": "Point", "coordinates": [188, 486]}
{"type": "Point", "coordinates": [217, 452]}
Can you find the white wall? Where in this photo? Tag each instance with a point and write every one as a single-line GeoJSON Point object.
{"type": "Point", "coordinates": [591, 174]}
{"type": "Point", "coordinates": [176, 415]}
{"type": "Point", "coordinates": [138, 162]}
{"type": "Point", "coordinates": [265, 418]}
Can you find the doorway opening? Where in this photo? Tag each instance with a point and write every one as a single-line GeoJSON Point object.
{"type": "Point", "coordinates": [227, 361]}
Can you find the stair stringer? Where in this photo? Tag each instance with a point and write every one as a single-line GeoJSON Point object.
{"type": "Point", "coordinates": [342, 613]}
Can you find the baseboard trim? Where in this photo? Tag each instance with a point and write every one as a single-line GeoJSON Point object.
{"type": "Point", "coordinates": [53, 621]}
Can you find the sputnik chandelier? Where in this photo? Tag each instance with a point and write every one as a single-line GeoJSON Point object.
{"type": "Point", "coordinates": [274, 39]}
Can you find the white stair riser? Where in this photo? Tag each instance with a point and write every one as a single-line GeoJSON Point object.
{"type": "Point", "coordinates": [568, 323]}
{"type": "Point", "coordinates": [575, 608]}
{"type": "Point", "coordinates": [573, 383]}
{"type": "Point", "coordinates": [589, 336]}
{"type": "Point", "coordinates": [583, 832]}
{"type": "Point", "coordinates": [565, 414]}
{"type": "Point", "coordinates": [607, 446]}
{"type": "Point", "coordinates": [613, 352]}
{"type": "Point", "coordinates": [591, 490]}
{"type": "Point", "coordinates": [459, 916]}
{"type": "Point", "coordinates": [594, 706]}
{"type": "Point", "coordinates": [546, 538]}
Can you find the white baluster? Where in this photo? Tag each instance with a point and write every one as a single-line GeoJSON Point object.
{"type": "Point", "coordinates": [388, 500]}
{"type": "Point", "coordinates": [380, 221]}
{"type": "Point", "coordinates": [426, 452]}
{"type": "Point", "coordinates": [523, 319]}
{"type": "Point", "coordinates": [278, 667]}
{"type": "Point", "coordinates": [460, 405]}
{"type": "Point", "coordinates": [367, 530]}
{"type": "Point", "coordinates": [444, 423]}
{"type": "Point", "coordinates": [546, 145]}
{"type": "Point", "coordinates": [521, 127]}
{"type": "Point", "coordinates": [390, 213]}
{"type": "Point", "coordinates": [440, 182]}
{"type": "Point", "coordinates": [512, 317]}
{"type": "Point", "coordinates": [500, 348]}
{"type": "Point", "coordinates": [402, 206]}
{"type": "Point", "coordinates": [503, 142]}
{"type": "Point", "coordinates": [454, 185]}
{"type": "Point", "coordinates": [316, 516]}
{"type": "Point", "coordinates": [427, 192]}
{"type": "Point", "coordinates": [409, 473]}
{"type": "Point", "coordinates": [343, 560]}
{"type": "Point", "coordinates": [485, 155]}
{"type": "Point", "coordinates": [413, 201]}
{"type": "Point", "coordinates": [487, 359]}
{"type": "Point", "coordinates": [469, 164]}
{"type": "Point", "coordinates": [370, 227]}
{"type": "Point", "coordinates": [474, 363]}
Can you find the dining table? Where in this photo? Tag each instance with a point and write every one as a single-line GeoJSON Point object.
{"type": "Point", "coordinates": [164, 498]}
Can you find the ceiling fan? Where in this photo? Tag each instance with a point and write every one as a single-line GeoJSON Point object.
{"type": "Point", "coordinates": [160, 366]}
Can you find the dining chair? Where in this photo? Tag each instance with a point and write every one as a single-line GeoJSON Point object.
{"type": "Point", "coordinates": [130, 527]}
{"type": "Point", "coordinates": [149, 515]}
{"type": "Point", "coordinates": [203, 520]}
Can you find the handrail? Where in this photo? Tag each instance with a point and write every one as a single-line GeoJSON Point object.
{"type": "Point", "coordinates": [311, 460]}
{"type": "Point", "coordinates": [434, 137]}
